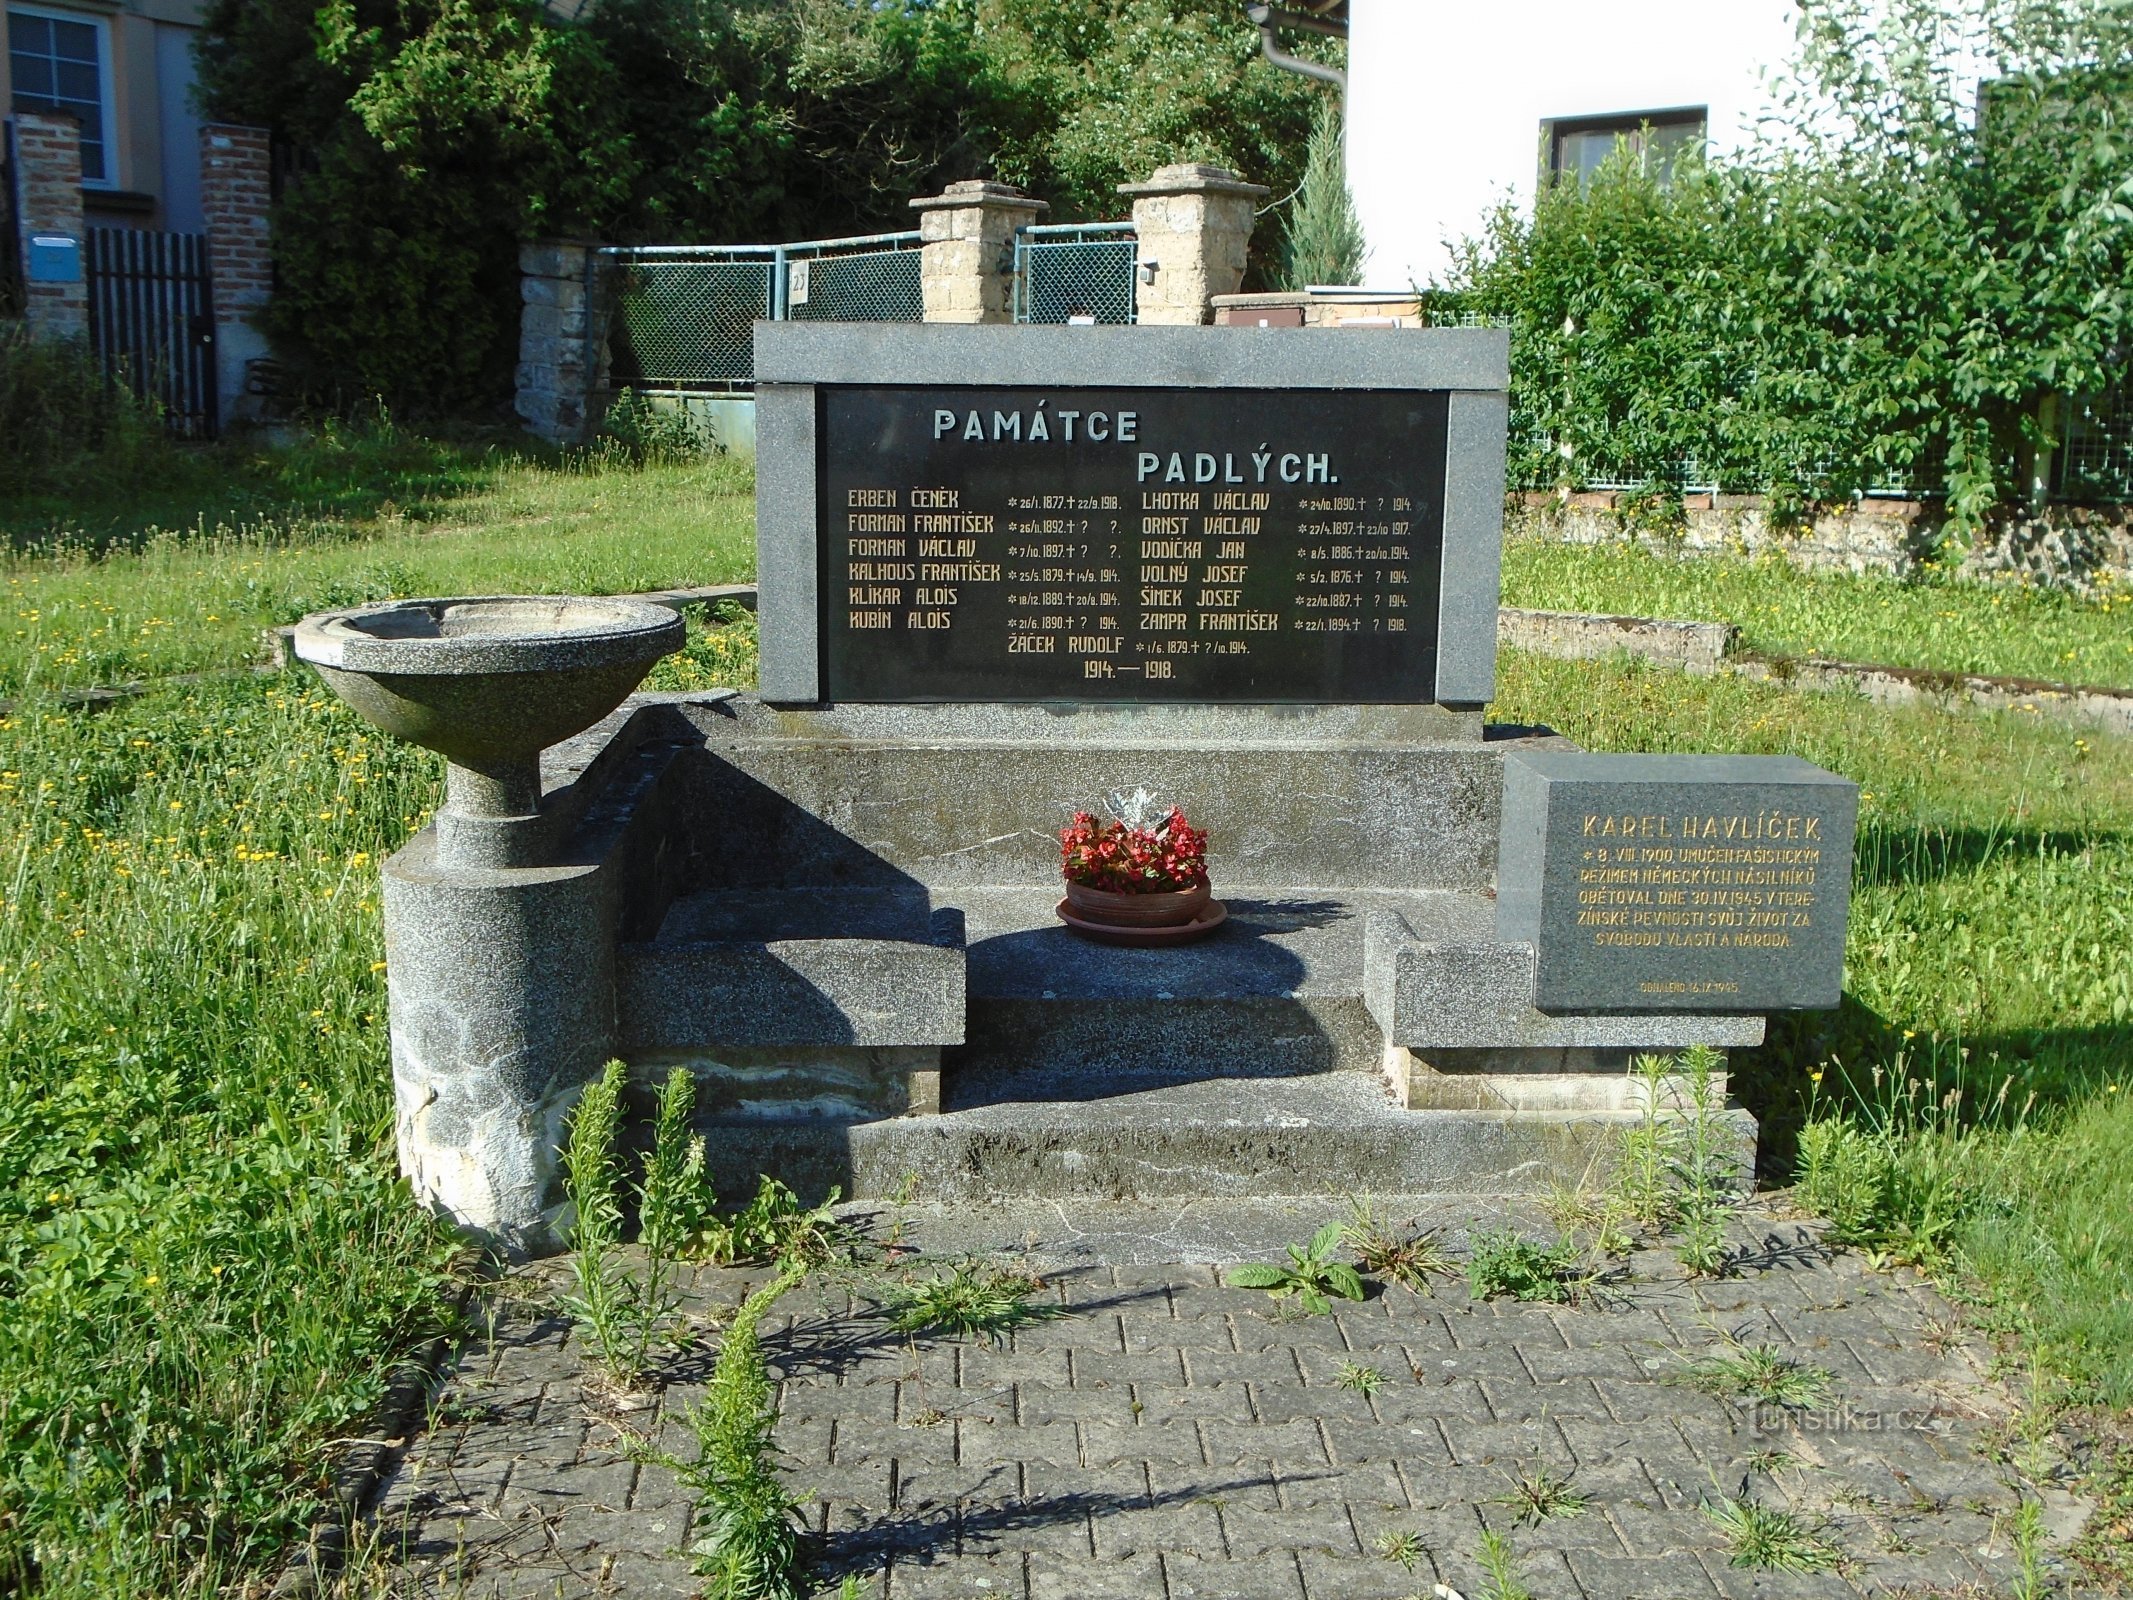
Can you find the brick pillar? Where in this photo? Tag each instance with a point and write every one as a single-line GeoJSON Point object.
{"type": "Point", "coordinates": [48, 218]}
{"type": "Point", "coordinates": [236, 195]}
{"type": "Point", "coordinates": [562, 341]}
{"type": "Point", "coordinates": [967, 265]}
{"type": "Point", "coordinates": [1191, 224]}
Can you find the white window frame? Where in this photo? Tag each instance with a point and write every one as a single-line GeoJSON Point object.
{"type": "Point", "coordinates": [102, 25]}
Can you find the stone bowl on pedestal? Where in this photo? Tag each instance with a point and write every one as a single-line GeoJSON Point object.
{"type": "Point", "coordinates": [489, 682]}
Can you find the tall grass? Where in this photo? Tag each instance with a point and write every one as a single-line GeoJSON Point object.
{"type": "Point", "coordinates": [1934, 623]}
{"type": "Point", "coordinates": [61, 422]}
{"type": "Point", "coordinates": [207, 1265]}
{"type": "Point", "coordinates": [80, 607]}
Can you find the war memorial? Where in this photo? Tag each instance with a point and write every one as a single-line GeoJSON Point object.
{"type": "Point", "coordinates": [1009, 573]}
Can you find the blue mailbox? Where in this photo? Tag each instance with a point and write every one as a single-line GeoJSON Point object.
{"type": "Point", "coordinates": [55, 258]}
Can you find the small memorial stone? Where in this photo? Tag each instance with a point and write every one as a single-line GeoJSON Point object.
{"type": "Point", "coordinates": [1677, 883]}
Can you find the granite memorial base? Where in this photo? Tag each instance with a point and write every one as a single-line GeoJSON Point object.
{"type": "Point", "coordinates": [840, 920]}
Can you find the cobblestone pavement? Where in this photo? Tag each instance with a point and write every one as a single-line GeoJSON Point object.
{"type": "Point", "coordinates": [1165, 1436]}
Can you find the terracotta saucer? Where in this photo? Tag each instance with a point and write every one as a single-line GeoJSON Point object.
{"type": "Point", "coordinates": [1212, 916]}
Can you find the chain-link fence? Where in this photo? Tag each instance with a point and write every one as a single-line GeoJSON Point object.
{"type": "Point", "coordinates": [2096, 462]}
{"type": "Point", "coordinates": [1075, 272]}
{"type": "Point", "coordinates": [685, 315]}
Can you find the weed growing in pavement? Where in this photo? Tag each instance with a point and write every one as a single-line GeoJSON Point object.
{"type": "Point", "coordinates": [2029, 1550]}
{"type": "Point", "coordinates": [1402, 1546]}
{"type": "Point", "coordinates": [1508, 1263]}
{"type": "Point", "coordinates": [1704, 1166]}
{"type": "Point", "coordinates": [749, 1544]}
{"type": "Point", "coordinates": [1536, 1496]}
{"type": "Point", "coordinates": [620, 1313]}
{"type": "Point", "coordinates": [1406, 1258]}
{"type": "Point", "coordinates": [774, 1226]}
{"type": "Point", "coordinates": [1311, 1275]}
{"type": "Point", "coordinates": [1364, 1380]}
{"type": "Point", "coordinates": [1734, 1370]}
{"type": "Point", "coordinates": [1498, 1560]}
{"type": "Point", "coordinates": [972, 1299]}
{"type": "Point", "coordinates": [1768, 1540]}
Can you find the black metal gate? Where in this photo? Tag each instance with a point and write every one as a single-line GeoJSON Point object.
{"type": "Point", "coordinates": [152, 321]}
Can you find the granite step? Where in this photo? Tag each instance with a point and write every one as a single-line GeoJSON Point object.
{"type": "Point", "coordinates": [1324, 1134]}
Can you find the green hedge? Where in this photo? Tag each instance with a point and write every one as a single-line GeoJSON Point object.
{"type": "Point", "coordinates": [1888, 288]}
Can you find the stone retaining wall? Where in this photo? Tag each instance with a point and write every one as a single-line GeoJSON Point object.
{"type": "Point", "coordinates": [2082, 547]}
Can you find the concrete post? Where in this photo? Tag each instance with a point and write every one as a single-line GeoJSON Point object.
{"type": "Point", "coordinates": [49, 223]}
{"type": "Point", "coordinates": [967, 235]}
{"type": "Point", "coordinates": [1192, 224]}
{"type": "Point", "coordinates": [236, 199]}
{"type": "Point", "coordinates": [500, 991]}
{"type": "Point", "coordinates": [562, 341]}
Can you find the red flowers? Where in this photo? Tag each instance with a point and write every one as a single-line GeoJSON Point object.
{"type": "Point", "coordinates": [1112, 854]}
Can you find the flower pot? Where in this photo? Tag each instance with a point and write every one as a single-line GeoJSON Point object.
{"type": "Point", "coordinates": [1164, 908]}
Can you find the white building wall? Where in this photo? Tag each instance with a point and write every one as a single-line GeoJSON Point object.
{"type": "Point", "coordinates": [1446, 101]}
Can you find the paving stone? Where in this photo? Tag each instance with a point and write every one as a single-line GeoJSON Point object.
{"type": "Point", "coordinates": [1229, 1442]}
{"type": "Point", "coordinates": [1640, 1576]}
{"type": "Point", "coordinates": [1171, 1440]}
{"type": "Point", "coordinates": [1156, 1368]}
{"type": "Point", "coordinates": [1262, 1332]}
{"type": "Point", "coordinates": [1190, 1576]}
{"type": "Point", "coordinates": [1178, 1442]}
{"type": "Point", "coordinates": [1143, 1335]}
{"type": "Point", "coordinates": [1507, 1443]}
{"type": "Point", "coordinates": [1371, 1577]}
{"type": "Point", "coordinates": [962, 1578]}
{"type": "Point", "coordinates": [1194, 1525]}
{"type": "Point", "coordinates": [1226, 1402]}
{"type": "Point", "coordinates": [1274, 1364]}
{"type": "Point", "coordinates": [1426, 1399]}
{"type": "Point", "coordinates": [1243, 1484]}
{"type": "Point", "coordinates": [1337, 1408]}
{"type": "Point", "coordinates": [1571, 1400]}
{"type": "Point", "coordinates": [1420, 1443]}
{"type": "Point", "coordinates": [987, 1365]}
{"type": "Point", "coordinates": [1119, 1577]}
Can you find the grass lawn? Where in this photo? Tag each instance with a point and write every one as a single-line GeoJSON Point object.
{"type": "Point", "coordinates": [207, 1266]}
{"type": "Point", "coordinates": [1939, 624]}
{"type": "Point", "coordinates": [181, 575]}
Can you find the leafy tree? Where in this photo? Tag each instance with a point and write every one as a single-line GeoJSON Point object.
{"type": "Point", "coordinates": [435, 134]}
{"type": "Point", "coordinates": [1323, 242]}
{"type": "Point", "coordinates": [1890, 287]}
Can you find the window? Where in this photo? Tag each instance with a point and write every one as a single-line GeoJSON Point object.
{"type": "Point", "coordinates": [59, 63]}
{"type": "Point", "coordinates": [1577, 146]}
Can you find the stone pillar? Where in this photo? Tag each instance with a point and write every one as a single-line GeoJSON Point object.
{"type": "Point", "coordinates": [500, 987]}
{"type": "Point", "coordinates": [562, 341]}
{"type": "Point", "coordinates": [236, 198]}
{"type": "Point", "coordinates": [1192, 224]}
{"type": "Point", "coordinates": [967, 265]}
{"type": "Point", "coordinates": [48, 219]}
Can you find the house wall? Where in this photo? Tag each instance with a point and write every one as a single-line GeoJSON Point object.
{"type": "Point", "coordinates": [155, 137]}
{"type": "Point", "coordinates": [1445, 103]}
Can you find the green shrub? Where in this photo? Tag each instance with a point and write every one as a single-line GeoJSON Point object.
{"type": "Point", "coordinates": [1843, 1175]}
{"type": "Point", "coordinates": [62, 422]}
{"type": "Point", "coordinates": [1323, 240]}
{"type": "Point", "coordinates": [642, 432]}
{"type": "Point", "coordinates": [1890, 289]}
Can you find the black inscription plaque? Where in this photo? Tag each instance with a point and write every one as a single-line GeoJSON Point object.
{"type": "Point", "coordinates": [1184, 545]}
{"type": "Point", "coordinates": [1677, 883]}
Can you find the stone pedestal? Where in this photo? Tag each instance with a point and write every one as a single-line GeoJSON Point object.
{"type": "Point", "coordinates": [501, 991]}
{"type": "Point", "coordinates": [562, 341]}
{"type": "Point", "coordinates": [236, 197]}
{"type": "Point", "coordinates": [48, 219]}
{"type": "Point", "coordinates": [1193, 223]}
{"type": "Point", "coordinates": [967, 265]}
